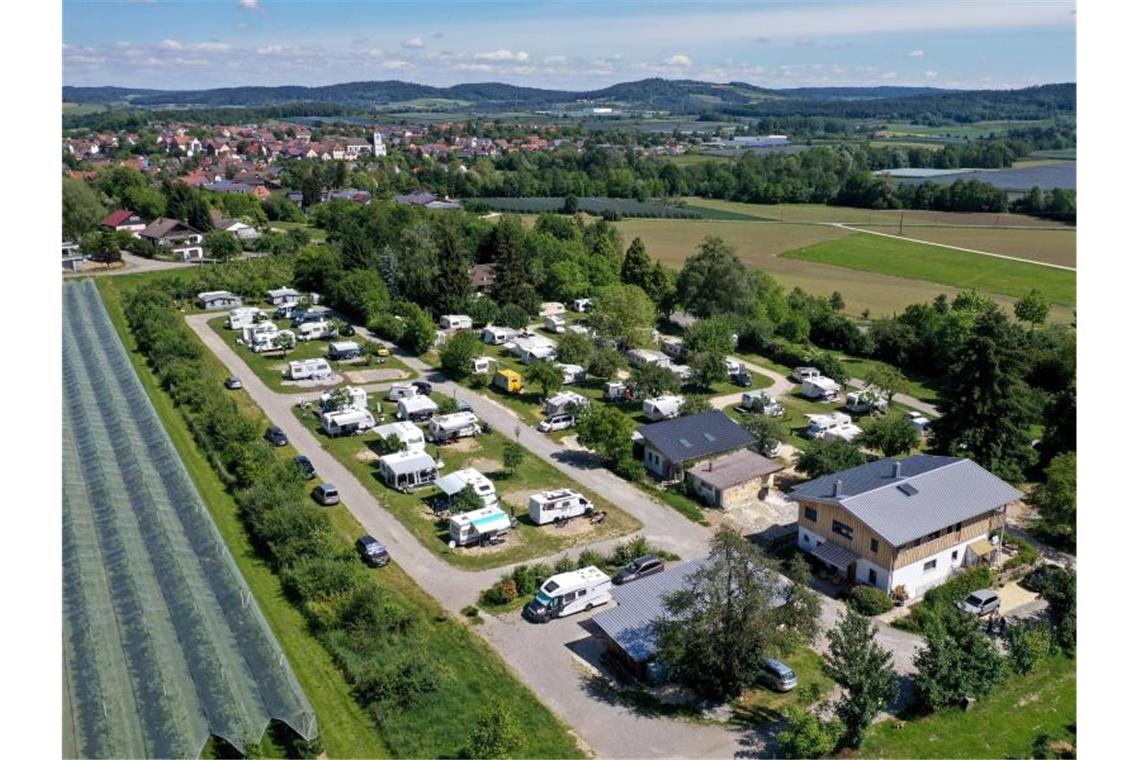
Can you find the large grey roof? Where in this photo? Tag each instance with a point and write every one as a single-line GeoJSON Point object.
{"type": "Point", "coordinates": [695, 436]}
{"type": "Point", "coordinates": [641, 602]}
{"type": "Point", "coordinates": [931, 493]}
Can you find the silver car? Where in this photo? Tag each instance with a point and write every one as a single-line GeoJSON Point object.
{"type": "Point", "coordinates": [778, 675]}
{"type": "Point", "coordinates": [981, 602]}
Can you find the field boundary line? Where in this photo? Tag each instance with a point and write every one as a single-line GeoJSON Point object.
{"type": "Point", "coordinates": [951, 247]}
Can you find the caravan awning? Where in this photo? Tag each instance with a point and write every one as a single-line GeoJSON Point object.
{"type": "Point", "coordinates": [452, 483]}
{"type": "Point", "coordinates": [834, 554]}
{"type": "Point", "coordinates": [981, 548]}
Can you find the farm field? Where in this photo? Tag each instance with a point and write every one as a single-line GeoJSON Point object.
{"type": "Point", "coordinates": [977, 129]}
{"type": "Point", "coordinates": [624, 206]}
{"type": "Point", "coordinates": [1006, 723]}
{"type": "Point", "coordinates": [1050, 246]}
{"type": "Point", "coordinates": [162, 648]}
{"type": "Point", "coordinates": [484, 453]}
{"type": "Point", "coordinates": [903, 258]}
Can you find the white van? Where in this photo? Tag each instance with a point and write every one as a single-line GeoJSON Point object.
{"type": "Point", "coordinates": [552, 506]}
{"type": "Point", "coordinates": [567, 593]}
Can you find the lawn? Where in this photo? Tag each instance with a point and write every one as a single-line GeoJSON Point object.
{"type": "Point", "coordinates": [903, 258]}
{"type": "Point", "coordinates": [317, 234]}
{"type": "Point", "coordinates": [527, 541]}
{"type": "Point", "coordinates": [1049, 246]}
{"type": "Point", "coordinates": [763, 705]}
{"type": "Point", "coordinates": [1003, 724]}
{"type": "Point", "coordinates": [473, 674]}
{"type": "Point", "coordinates": [346, 730]}
{"type": "Point", "coordinates": [269, 365]}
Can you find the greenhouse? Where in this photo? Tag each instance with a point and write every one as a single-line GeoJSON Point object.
{"type": "Point", "coordinates": [163, 642]}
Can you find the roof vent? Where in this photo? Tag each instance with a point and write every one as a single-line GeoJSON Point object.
{"type": "Point", "coordinates": [898, 468]}
{"type": "Point", "coordinates": [837, 488]}
{"type": "Point", "coordinates": [686, 444]}
{"type": "Point", "coordinates": [709, 437]}
{"type": "Point", "coordinates": [907, 488]}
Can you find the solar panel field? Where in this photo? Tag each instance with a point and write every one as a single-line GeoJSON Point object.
{"type": "Point", "coordinates": [163, 643]}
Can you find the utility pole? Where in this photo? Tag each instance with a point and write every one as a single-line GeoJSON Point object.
{"type": "Point", "coordinates": [900, 222]}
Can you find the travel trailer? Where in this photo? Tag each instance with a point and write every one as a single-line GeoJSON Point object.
{"type": "Point", "coordinates": [455, 322]}
{"type": "Point", "coordinates": [672, 346]}
{"type": "Point", "coordinates": [818, 424]}
{"type": "Point", "coordinates": [348, 397]}
{"type": "Point", "coordinates": [455, 482]}
{"type": "Point", "coordinates": [761, 402]}
{"type": "Point", "coordinates": [562, 403]}
{"type": "Point", "coordinates": [497, 336]}
{"type": "Point", "coordinates": [662, 407]}
{"type": "Point", "coordinates": [271, 340]}
{"type": "Point", "coordinates": [406, 470]}
{"type": "Point", "coordinates": [643, 357]}
{"type": "Point", "coordinates": [804, 373]}
{"type": "Point", "coordinates": [254, 332]}
{"type": "Point", "coordinates": [452, 427]}
{"type": "Point", "coordinates": [410, 436]}
{"type": "Point", "coordinates": [484, 526]}
{"type": "Point", "coordinates": [861, 402]}
{"type": "Point", "coordinates": [553, 506]}
{"type": "Point", "coordinates": [919, 422]}
{"type": "Point", "coordinates": [567, 593]}
{"type": "Point", "coordinates": [343, 350]}
{"type": "Point", "coordinates": [242, 316]}
{"type": "Point", "coordinates": [347, 422]}
{"type": "Point", "coordinates": [615, 391]}
{"type": "Point", "coordinates": [314, 330]}
{"type": "Point", "coordinates": [508, 380]}
{"type": "Point", "coordinates": [581, 304]}
{"type": "Point", "coordinates": [397, 391]}
{"type": "Point", "coordinates": [555, 323]}
{"type": "Point", "coordinates": [572, 373]}
{"type": "Point", "coordinates": [481, 365]}
{"type": "Point", "coordinates": [309, 369]}
{"type": "Point", "coordinates": [820, 387]}
{"type": "Point", "coordinates": [416, 408]}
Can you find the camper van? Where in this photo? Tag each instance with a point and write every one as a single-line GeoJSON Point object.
{"type": "Point", "coordinates": [508, 380]}
{"type": "Point", "coordinates": [455, 322]}
{"type": "Point", "coordinates": [555, 323]}
{"type": "Point", "coordinates": [488, 525]}
{"type": "Point", "coordinates": [572, 373]}
{"type": "Point", "coordinates": [406, 470]}
{"type": "Point", "coordinates": [452, 427]}
{"type": "Point", "coordinates": [455, 482]}
{"type": "Point", "coordinates": [309, 369]}
{"type": "Point", "coordinates": [818, 424]}
{"type": "Point", "coordinates": [497, 336]}
{"type": "Point", "coordinates": [760, 402]}
{"type": "Point", "coordinates": [343, 350]}
{"type": "Point", "coordinates": [861, 402]}
{"type": "Point", "coordinates": [347, 422]}
{"type": "Point", "coordinates": [662, 407]}
{"type": "Point", "coordinates": [314, 330]}
{"type": "Point", "coordinates": [411, 438]}
{"type": "Point", "coordinates": [416, 408]}
{"type": "Point", "coordinates": [919, 422]}
{"type": "Point", "coordinates": [820, 387]}
{"type": "Point", "coordinates": [567, 593]}
{"type": "Point", "coordinates": [615, 391]}
{"type": "Point", "coordinates": [553, 506]}
{"type": "Point", "coordinates": [397, 391]}
{"type": "Point", "coordinates": [343, 399]}
{"type": "Point", "coordinates": [242, 316]}
{"type": "Point", "coordinates": [799, 374]}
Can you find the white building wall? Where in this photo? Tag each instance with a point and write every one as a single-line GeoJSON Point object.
{"type": "Point", "coordinates": [809, 539]}
{"type": "Point", "coordinates": [863, 570]}
{"type": "Point", "coordinates": [917, 580]}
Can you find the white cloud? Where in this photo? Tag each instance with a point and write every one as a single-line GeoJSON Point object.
{"type": "Point", "coordinates": [396, 65]}
{"type": "Point", "coordinates": [249, 5]}
{"type": "Point", "coordinates": [170, 45]}
{"type": "Point", "coordinates": [555, 60]}
{"type": "Point", "coordinates": [680, 59]}
{"type": "Point", "coordinates": [916, 53]}
{"type": "Point", "coordinates": [210, 47]}
{"type": "Point", "coordinates": [271, 50]}
{"type": "Point", "coordinates": [930, 74]}
{"type": "Point", "coordinates": [473, 66]}
{"type": "Point", "coordinates": [413, 42]}
{"type": "Point", "coordinates": [890, 75]}
{"type": "Point", "coordinates": [503, 55]}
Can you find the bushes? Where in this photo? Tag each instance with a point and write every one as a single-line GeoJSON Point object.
{"type": "Point", "coordinates": [869, 601]}
{"type": "Point", "coordinates": [1027, 553]}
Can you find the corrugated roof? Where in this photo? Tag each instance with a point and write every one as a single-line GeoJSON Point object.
{"type": "Point", "coordinates": [735, 468]}
{"type": "Point", "coordinates": [696, 436]}
{"type": "Point", "coordinates": [930, 493]}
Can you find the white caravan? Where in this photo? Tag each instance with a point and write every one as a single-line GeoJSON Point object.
{"type": "Point", "coordinates": [455, 322]}
{"type": "Point", "coordinates": [555, 323]}
{"type": "Point", "coordinates": [460, 479]}
{"type": "Point", "coordinates": [406, 470]}
{"type": "Point", "coordinates": [397, 391]}
{"type": "Point", "coordinates": [347, 422]}
{"type": "Point", "coordinates": [342, 399]}
{"type": "Point", "coordinates": [409, 435]}
{"type": "Point", "coordinates": [451, 427]}
{"type": "Point", "coordinates": [563, 403]}
{"type": "Point", "coordinates": [919, 422]}
{"type": "Point", "coordinates": [314, 330]}
{"type": "Point", "coordinates": [309, 369]}
{"type": "Point", "coordinates": [580, 305]}
{"type": "Point", "coordinates": [416, 408]}
{"type": "Point", "coordinates": [818, 424]}
{"type": "Point", "coordinates": [567, 593]}
{"type": "Point", "coordinates": [256, 331]}
{"type": "Point", "coordinates": [242, 316]}
{"type": "Point", "coordinates": [497, 336]}
{"type": "Point", "coordinates": [662, 407]}
{"type": "Point", "coordinates": [481, 365]}
{"type": "Point", "coordinates": [820, 387]}
{"type": "Point", "coordinates": [552, 506]}
{"type": "Point", "coordinates": [673, 346]}
{"type": "Point", "coordinates": [864, 401]}
{"type": "Point", "coordinates": [761, 402]}
{"type": "Point", "coordinates": [268, 341]}
{"type": "Point", "coordinates": [572, 373]}
{"type": "Point", "coordinates": [481, 526]}
{"type": "Point", "coordinates": [805, 373]}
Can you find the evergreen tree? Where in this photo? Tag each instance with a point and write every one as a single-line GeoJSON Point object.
{"type": "Point", "coordinates": [453, 286]}
{"type": "Point", "coordinates": [636, 266]}
{"type": "Point", "coordinates": [862, 669]}
{"type": "Point", "coordinates": [511, 284]}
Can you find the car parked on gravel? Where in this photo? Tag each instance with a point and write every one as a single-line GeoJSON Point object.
{"type": "Point", "coordinates": [981, 602]}
{"type": "Point", "coordinates": [276, 436]}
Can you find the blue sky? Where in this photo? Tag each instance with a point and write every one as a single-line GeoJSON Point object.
{"type": "Point", "coordinates": [579, 44]}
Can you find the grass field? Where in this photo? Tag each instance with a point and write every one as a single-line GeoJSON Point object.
{"type": "Point", "coordinates": [485, 453]}
{"type": "Point", "coordinates": [977, 129]}
{"type": "Point", "coordinates": [764, 705]}
{"type": "Point", "coordinates": [472, 672]}
{"type": "Point", "coordinates": [1004, 724]}
{"type": "Point", "coordinates": [901, 258]}
{"type": "Point", "coordinates": [1051, 246]}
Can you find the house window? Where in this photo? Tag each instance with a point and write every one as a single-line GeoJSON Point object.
{"type": "Point", "coordinates": [954, 555]}
{"type": "Point", "coordinates": [844, 530]}
{"type": "Point", "coordinates": [957, 527]}
{"type": "Point", "coordinates": [811, 514]}
{"type": "Point", "coordinates": [875, 546]}
{"type": "Point", "coordinates": [933, 535]}
{"type": "Point", "coordinates": [927, 567]}
{"type": "Point", "coordinates": [872, 577]}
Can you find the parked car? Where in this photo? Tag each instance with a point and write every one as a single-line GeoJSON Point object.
{"type": "Point", "coordinates": [372, 551]}
{"type": "Point", "coordinates": [981, 602]}
{"type": "Point", "coordinates": [742, 379]}
{"type": "Point", "coordinates": [348, 330]}
{"type": "Point", "coordinates": [382, 350]}
{"type": "Point", "coordinates": [306, 466]}
{"type": "Point", "coordinates": [233, 382]}
{"type": "Point", "coordinates": [276, 436]}
{"type": "Point", "coordinates": [556, 422]}
{"type": "Point", "coordinates": [283, 312]}
{"type": "Point", "coordinates": [639, 568]}
{"type": "Point", "coordinates": [463, 406]}
{"type": "Point", "coordinates": [772, 451]}
{"type": "Point", "coordinates": [423, 386]}
{"type": "Point", "coordinates": [778, 675]}
{"type": "Point", "coordinates": [327, 494]}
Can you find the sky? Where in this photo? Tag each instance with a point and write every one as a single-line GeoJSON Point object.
{"type": "Point", "coordinates": [569, 44]}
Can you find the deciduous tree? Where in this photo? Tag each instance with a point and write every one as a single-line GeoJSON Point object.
{"type": "Point", "coordinates": [715, 281]}
{"type": "Point", "coordinates": [892, 435]}
{"type": "Point", "coordinates": [821, 458]}
{"type": "Point", "coordinates": [862, 669]}
{"type": "Point", "coordinates": [546, 376]}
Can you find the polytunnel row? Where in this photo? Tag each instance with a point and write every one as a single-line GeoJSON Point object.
{"type": "Point", "coordinates": [223, 671]}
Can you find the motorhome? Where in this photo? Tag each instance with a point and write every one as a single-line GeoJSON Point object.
{"type": "Point", "coordinates": [861, 402]}
{"type": "Point", "coordinates": [644, 357]}
{"type": "Point", "coordinates": [919, 422]}
{"type": "Point", "coordinates": [563, 403]}
{"type": "Point", "coordinates": [497, 336]}
{"type": "Point", "coordinates": [455, 322]}
{"type": "Point", "coordinates": [581, 304]}
{"type": "Point", "coordinates": [314, 330]}
{"type": "Point", "coordinates": [566, 593]}
{"type": "Point", "coordinates": [818, 424]}
{"type": "Point", "coordinates": [272, 340]}
{"type": "Point", "coordinates": [342, 399]}
{"type": "Point", "coordinates": [347, 422]}
{"type": "Point", "coordinates": [309, 369]}
{"type": "Point", "coordinates": [733, 366]}
{"type": "Point", "coordinates": [672, 346]}
{"type": "Point", "coordinates": [553, 506]}
{"type": "Point", "coordinates": [849, 433]}
{"type": "Point", "coordinates": [451, 427]}
{"type": "Point", "coordinates": [761, 402]}
{"type": "Point", "coordinates": [405, 470]}
{"type": "Point", "coordinates": [410, 436]}
{"type": "Point", "coordinates": [343, 350]}
{"type": "Point", "coordinates": [572, 373]}
{"type": "Point", "coordinates": [799, 374]}
{"type": "Point", "coordinates": [457, 481]}
{"type": "Point", "coordinates": [820, 387]}
{"type": "Point", "coordinates": [416, 408]}
{"type": "Point", "coordinates": [555, 323]}
{"type": "Point", "coordinates": [242, 316]}
{"type": "Point", "coordinates": [258, 331]}
{"type": "Point", "coordinates": [397, 391]}
{"type": "Point", "coordinates": [508, 380]}
{"type": "Point", "coordinates": [533, 349]}
{"type": "Point", "coordinates": [662, 408]}
{"type": "Point", "coordinates": [617, 391]}
{"type": "Point", "coordinates": [481, 526]}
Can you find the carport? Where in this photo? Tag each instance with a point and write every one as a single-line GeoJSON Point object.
{"type": "Point", "coordinates": [840, 558]}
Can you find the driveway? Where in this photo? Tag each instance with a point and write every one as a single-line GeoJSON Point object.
{"type": "Point", "coordinates": [133, 265]}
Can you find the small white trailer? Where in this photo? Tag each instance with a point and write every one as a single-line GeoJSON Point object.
{"type": "Point", "coordinates": [572, 373]}
{"type": "Point", "coordinates": [347, 422]}
{"type": "Point", "coordinates": [555, 323]}
{"type": "Point", "coordinates": [820, 387]}
{"type": "Point", "coordinates": [342, 399]}
{"type": "Point", "coordinates": [919, 422]}
{"type": "Point", "coordinates": [497, 336]}
{"type": "Point", "coordinates": [343, 350]}
{"type": "Point", "coordinates": [405, 470]}
{"type": "Point", "coordinates": [672, 346]}
{"type": "Point", "coordinates": [799, 374]}
{"type": "Point", "coordinates": [242, 316]}
{"type": "Point", "coordinates": [567, 593]}
{"type": "Point", "coordinates": [617, 391]}
{"type": "Point", "coordinates": [482, 526]}
{"type": "Point", "coordinates": [733, 366]}
{"type": "Point", "coordinates": [409, 435]}
{"type": "Point", "coordinates": [662, 408]}
{"type": "Point", "coordinates": [818, 424]}
{"type": "Point", "coordinates": [416, 408]}
{"type": "Point", "coordinates": [848, 433]}
{"type": "Point", "coordinates": [252, 333]}
{"type": "Point", "coordinates": [563, 403]}
{"type": "Point", "coordinates": [761, 402]}
{"type": "Point", "coordinates": [309, 369]}
{"type": "Point", "coordinates": [452, 427]}
{"type": "Point", "coordinates": [455, 322]}
{"type": "Point", "coordinates": [397, 391]}
{"type": "Point", "coordinates": [482, 365]}
{"type": "Point", "coordinates": [271, 340]}
{"type": "Point", "coordinates": [644, 357]}
{"type": "Point", "coordinates": [314, 330]}
{"type": "Point", "coordinates": [555, 506]}
{"type": "Point", "coordinates": [682, 372]}
{"type": "Point", "coordinates": [866, 400]}
{"type": "Point", "coordinates": [581, 305]}
{"type": "Point", "coordinates": [455, 482]}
